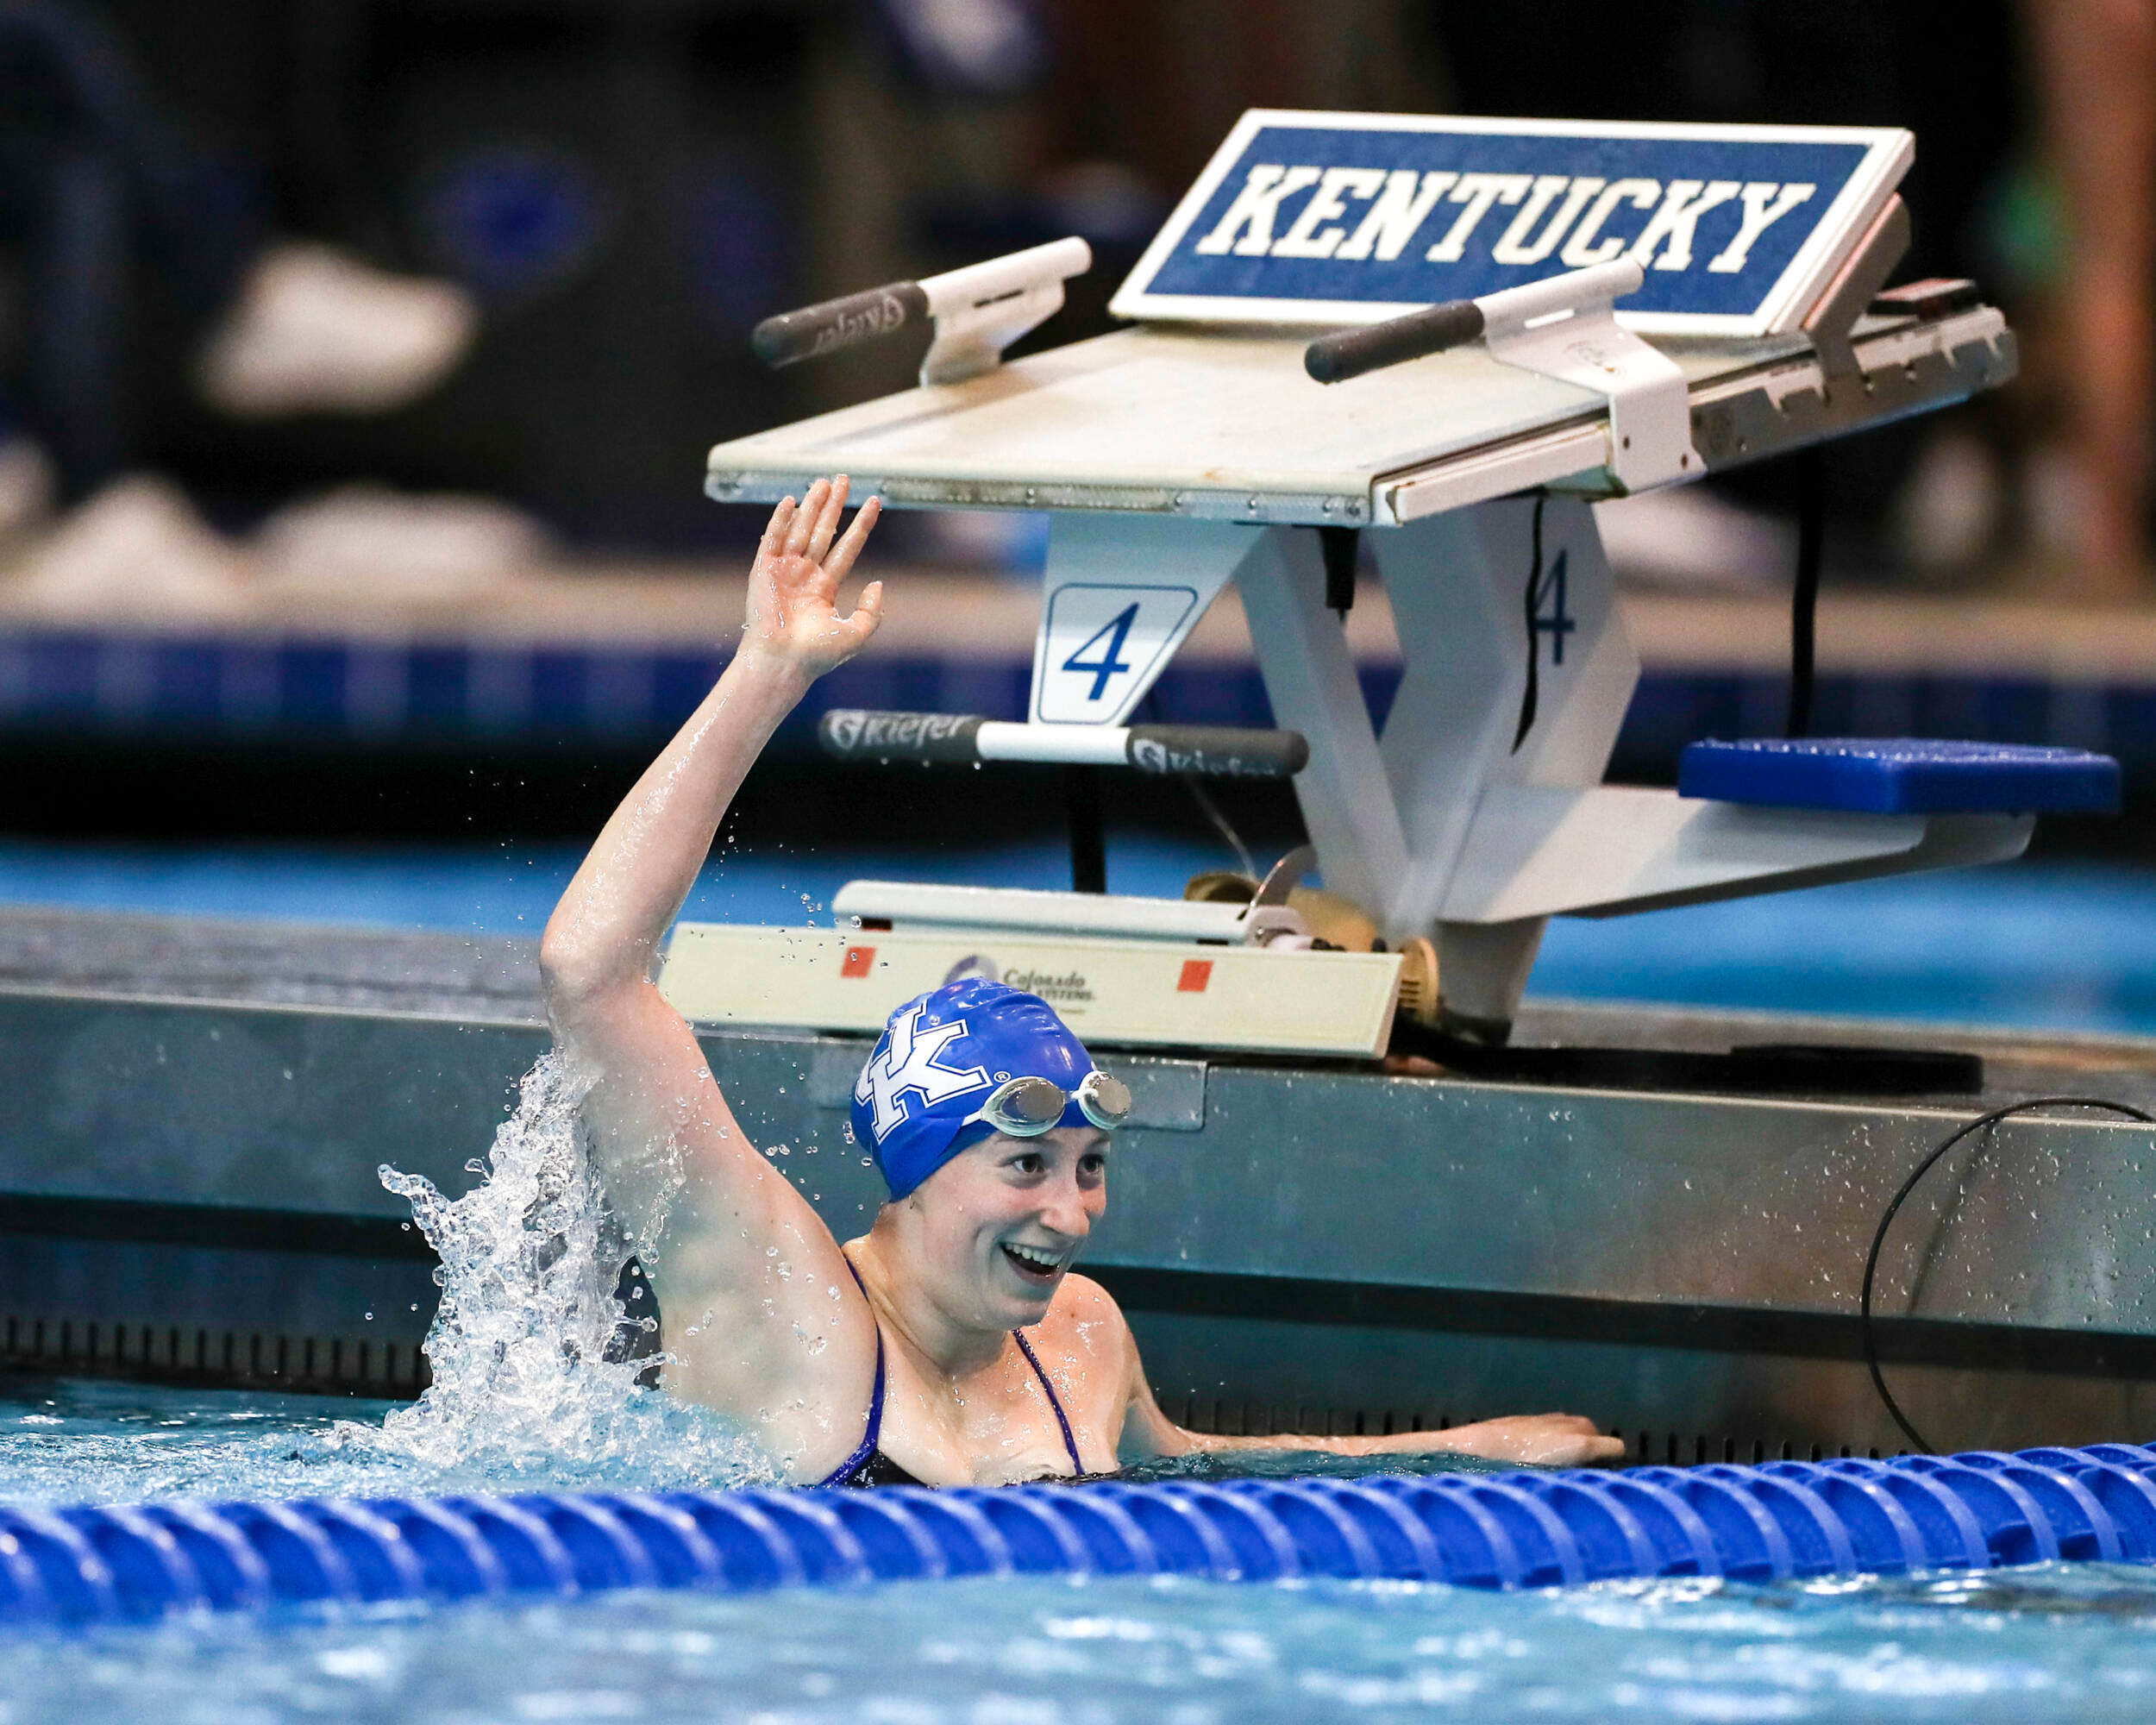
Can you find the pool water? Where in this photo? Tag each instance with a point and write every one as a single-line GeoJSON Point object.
{"type": "Point", "coordinates": [2054, 1641]}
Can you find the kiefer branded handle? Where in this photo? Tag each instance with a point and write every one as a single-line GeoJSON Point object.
{"type": "Point", "coordinates": [1211, 751]}
{"type": "Point", "coordinates": [1334, 359]}
{"type": "Point", "coordinates": [1503, 317]}
{"type": "Point", "coordinates": [815, 331]}
{"type": "Point", "coordinates": [992, 302]}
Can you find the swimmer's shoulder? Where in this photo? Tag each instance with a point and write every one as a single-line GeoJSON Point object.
{"type": "Point", "coordinates": [1084, 1317]}
{"type": "Point", "coordinates": [1081, 1296]}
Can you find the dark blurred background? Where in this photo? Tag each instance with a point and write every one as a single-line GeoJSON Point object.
{"type": "Point", "coordinates": [195, 647]}
{"type": "Point", "coordinates": [627, 186]}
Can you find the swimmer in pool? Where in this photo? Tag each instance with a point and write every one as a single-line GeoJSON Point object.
{"type": "Point", "coordinates": [951, 1345]}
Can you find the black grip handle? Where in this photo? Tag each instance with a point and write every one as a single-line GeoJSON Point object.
{"type": "Point", "coordinates": [855, 734]}
{"type": "Point", "coordinates": [1217, 752]}
{"type": "Point", "coordinates": [815, 331]}
{"type": "Point", "coordinates": [1349, 353]}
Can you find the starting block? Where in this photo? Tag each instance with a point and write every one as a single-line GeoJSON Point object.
{"type": "Point", "coordinates": [1449, 335]}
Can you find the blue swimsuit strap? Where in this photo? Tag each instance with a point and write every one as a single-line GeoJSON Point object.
{"type": "Point", "coordinates": [853, 1463]}
{"type": "Point", "coordinates": [1033, 1360]}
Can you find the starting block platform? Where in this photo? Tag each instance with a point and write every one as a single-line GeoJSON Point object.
{"type": "Point", "coordinates": [1232, 430]}
{"type": "Point", "coordinates": [1759, 250]}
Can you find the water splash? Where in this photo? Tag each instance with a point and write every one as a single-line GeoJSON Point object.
{"type": "Point", "coordinates": [530, 1382]}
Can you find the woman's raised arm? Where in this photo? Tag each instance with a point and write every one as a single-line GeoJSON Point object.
{"type": "Point", "coordinates": [601, 937]}
{"type": "Point", "coordinates": [747, 1269]}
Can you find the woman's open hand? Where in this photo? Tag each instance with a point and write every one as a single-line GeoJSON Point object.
{"type": "Point", "coordinates": [793, 588]}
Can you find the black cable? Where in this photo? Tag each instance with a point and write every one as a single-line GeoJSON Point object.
{"type": "Point", "coordinates": [1878, 1239]}
{"type": "Point", "coordinates": [1338, 546]}
{"type": "Point", "coordinates": [1811, 542]}
{"type": "Point", "coordinates": [1221, 824]}
{"type": "Point", "coordinates": [1532, 695]}
{"type": "Point", "coordinates": [1150, 708]}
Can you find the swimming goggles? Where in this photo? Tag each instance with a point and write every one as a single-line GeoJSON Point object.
{"type": "Point", "coordinates": [1026, 1108]}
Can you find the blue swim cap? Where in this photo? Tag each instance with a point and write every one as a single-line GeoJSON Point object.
{"type": "Point", "coordinates": [936, 1061]}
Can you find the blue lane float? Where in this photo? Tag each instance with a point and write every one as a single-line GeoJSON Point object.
{"type": "Point", "coordinates": [122, 1563]}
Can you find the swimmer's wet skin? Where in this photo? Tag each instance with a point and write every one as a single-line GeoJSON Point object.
{"type": "Point", "coordinates": [952, 1343]}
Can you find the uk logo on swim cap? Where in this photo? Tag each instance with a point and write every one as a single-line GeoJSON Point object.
{"type": "Point", "coordinates": [909, 1066]}
{"type": "Point", "coordinates": [938, 1056]}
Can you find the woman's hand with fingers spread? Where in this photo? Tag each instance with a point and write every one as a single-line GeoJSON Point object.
{"type": "Point", "coordinates": [793, 614]}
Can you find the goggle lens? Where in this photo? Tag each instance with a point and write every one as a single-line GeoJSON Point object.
{"type": "Point", "coordinates": [1026, 1108]}
{"type": "Point", "coordinates": [1104, 1101]}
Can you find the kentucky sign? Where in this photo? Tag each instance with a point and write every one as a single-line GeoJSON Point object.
{"type": "Point", "coordinates": [1348, 218]}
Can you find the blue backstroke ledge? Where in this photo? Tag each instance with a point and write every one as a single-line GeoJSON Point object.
{"type": "Point", "coordinates": [1900, 776]}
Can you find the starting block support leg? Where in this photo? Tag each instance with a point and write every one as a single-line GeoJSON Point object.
{"type": "Point", "coordinates": [1310, 679]}
{"type": "Point", "coordinates": [1516, 670]}
{"type": "Point", "coordinates": [1482, 969]}
{"type": "Point", "coordinates": [1469, 597]}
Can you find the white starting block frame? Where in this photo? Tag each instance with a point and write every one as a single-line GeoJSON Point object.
{"type": "Point", "coordinates": [1177, 456]}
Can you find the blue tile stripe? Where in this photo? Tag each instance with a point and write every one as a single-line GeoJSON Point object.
{"type": "Point", "coordinates": [376, 695]}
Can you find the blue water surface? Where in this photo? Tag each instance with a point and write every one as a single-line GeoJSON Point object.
{"type": "Point", "coordinates": [2048, 1643]}
{"type": "Point", "coordinates": [2050, 945]}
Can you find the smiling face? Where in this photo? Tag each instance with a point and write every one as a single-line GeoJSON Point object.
{"type": "Point", "coordinates": [991, 1232]}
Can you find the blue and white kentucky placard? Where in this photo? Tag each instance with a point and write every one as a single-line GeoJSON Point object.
{"type": "Point", "coordinates": [1348, 218]}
